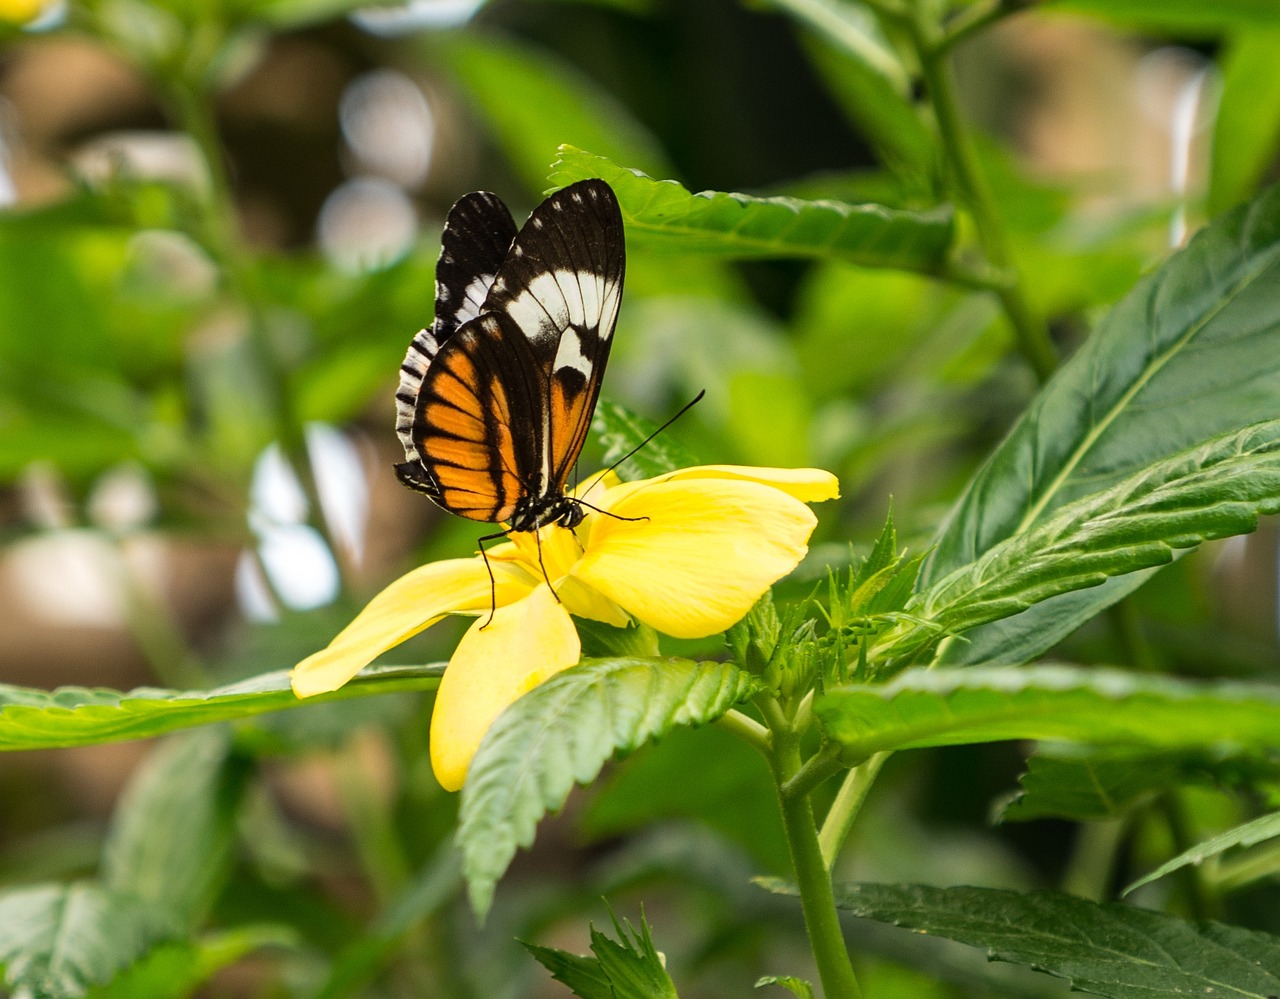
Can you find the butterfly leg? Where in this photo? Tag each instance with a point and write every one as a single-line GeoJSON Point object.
{"type": "Point", "coordinates": [493, 585]}
{"type": "Point", "coordinates": [537, 539]}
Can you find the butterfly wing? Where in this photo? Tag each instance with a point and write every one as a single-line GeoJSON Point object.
{"type": "Point", "coordinates": [477, 235]}
{"type": "Point", "coordinates": [506, 407]}
{"type": "Point", "coordinates": [560, 287]}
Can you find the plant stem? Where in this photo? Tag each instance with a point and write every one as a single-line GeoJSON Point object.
{"type": "Point", "coordinates": [971, 188]}
{"type": "Point", "coordinates": [844, 810]}
{"type": "Point", "coordinates": [821, 919]}
{"type": "Point", "coordinates": [746, 728]}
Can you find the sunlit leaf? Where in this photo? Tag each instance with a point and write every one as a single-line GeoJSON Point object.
{"type": "Point", "coordinates": [1259, 830]}
{"type": "Point", "coordinates": [957, 706]}
{"type": "Point", "coordinates": [58, 940]}
{"type": "Point", "coordinates": [1193, 351]}
{"type": "Point", "coordinates": [78, 716]}
{"type": "Point", "coordinates": [661, 214]}
{"type": "Point", "coordinates": [1111, 950]}
{"type": "Point", "coordinates": [562, 732]}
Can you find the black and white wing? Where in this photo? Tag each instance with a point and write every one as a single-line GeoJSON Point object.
{"type": "Point", "coordinates": [560, 288]}
{"type": "Point", "coordinates": [477, 236]}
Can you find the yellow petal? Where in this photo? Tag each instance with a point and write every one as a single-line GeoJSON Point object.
{"type": "Point", "coordinates": [525, 643]}
{"type": "Point", "coordinates": [707, 550]}
{"type": "Point", "coordinates": [410, 604]}
{"type": "Point", "coordinates": [813, 485]}
{"type": "Point", "coordinates": [581, 600]}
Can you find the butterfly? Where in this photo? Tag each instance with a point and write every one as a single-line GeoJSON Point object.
{"type": "Point", "coordinates": [496, 395]}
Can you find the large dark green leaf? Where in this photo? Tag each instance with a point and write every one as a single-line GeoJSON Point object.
{"type": "Point", "coordinates": [58, 940]}
{"type": "Point", "coordinates": [1192, 352]}
{"type": "Point", "coordinates": [1109, 950]}
{"type": "Point", "coordinates": [562, 732]}
{"type": "Point", "coordinates": [949, 707]}
{"type": "Point", "coordinates": [78, 716]}
{"type": "Point", "coordinates": [1211, 491]}
{"type": "Point", "coordinates": [664, 216]}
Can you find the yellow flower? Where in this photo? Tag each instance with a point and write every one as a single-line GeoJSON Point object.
{"type": "Point", "coordinates": [696, 549]}
{"type": "Point", "coordinates": [21, 11]}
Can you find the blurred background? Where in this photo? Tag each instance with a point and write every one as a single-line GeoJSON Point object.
{"type": "Point", "coordinates": [218, 232]}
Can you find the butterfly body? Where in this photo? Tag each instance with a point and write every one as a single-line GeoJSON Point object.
{"type": "Point", "coordinates": [496, 396]}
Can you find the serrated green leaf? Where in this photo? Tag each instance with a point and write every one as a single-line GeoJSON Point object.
{"type": "Point", "coordinates": [1089, 786]}
{"type": "Point", "coordinates": [1211, 491]}
{"type": "Point", "coordinates": [1193, 351]}
{"type": "Point", "coordinates": [556, 104]}
{"type": "Point", "coordinates": [1246, 130]}
{"type": "Point", "coordinates": [662, 215]}
{"type": "Point", "coordinates": [190, 787]}
{"type": "Point", "coordinates": [627, 968]}
{"type": "Point", "coordinates": [620, 430]}
{"type": "Point", "coordinates": [561, 733]}
{"type": "Point", "coordinates": [58, 940]}
{"type": "Point", "coordinates": [80, 716]}
{"type": "Point", "coordinates": [583, 975]}
{"type": "Point", "coordinates": [949, 707]}
{"type": "Point", "coordinates": [1248, 834]}
{"type": "Point", "coordinates": [1111, 950]}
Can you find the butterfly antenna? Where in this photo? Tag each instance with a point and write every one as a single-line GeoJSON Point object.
{"type": "Point", "coordinates": [683, 409]}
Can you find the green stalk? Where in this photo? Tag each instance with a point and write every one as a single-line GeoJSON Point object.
{"type": "Point", "coordinates": [821, 918]}
{"type": "Point", "coordinates": [971, 186]}
{"type": "Point", "coordinates": [844, 810]}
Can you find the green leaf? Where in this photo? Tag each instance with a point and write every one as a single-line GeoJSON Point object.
{"type": "Point", "coordinates": [175, 970]}
{"type": "Point", "coordinates": [80, 716]}
{"type": "Point", "coordinates": [556, 104]}
{"type": "Point", "coordinates": [662, 215]}
{"type": "Point", "coordinates": [798, 987]}
{"type": "Point", "coordinates": [1211, 491]}
{"type": "Point", "coordinates": [1088, 786]}
{"type": "Point", "coordinates": [628, 968]}
{"type": "Point", "coordinates": [1193, 351]}
{"type": "Point", "coordinates": [561, 733]}
{"type": "Point", "coordinates": [191, 788]}
{"type": "Point", "coordinates": [58, 940]}
{"type": "Point", "coordinates": [1192, 16]}
{"type": "Point", "coordinates": [1112, 950]}
{"type": "Point", "coordinates": [1249, 834]}
{"type": "Point", "coordinates": [1246, 131]}
{"type": "Point", "coordinates": [950, 707]}
{"type": "Point", "coordinates": [620, 430]}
